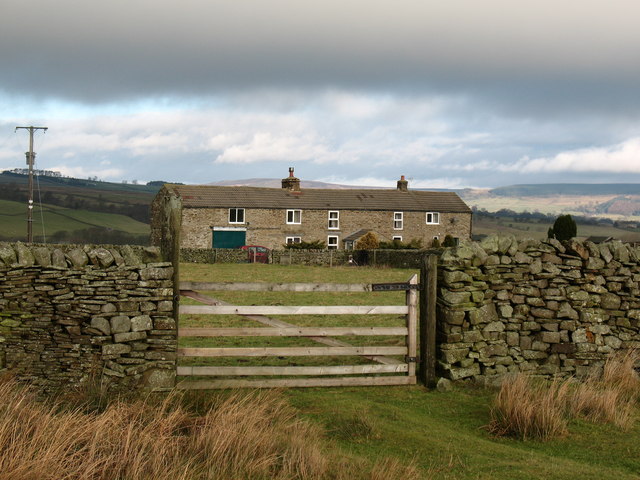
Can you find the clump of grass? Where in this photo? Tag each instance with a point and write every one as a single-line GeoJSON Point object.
{"type": "Point", "coordinates": [359, 427]}
{"type": "Point", "coordinates": [610, 398]}
{"type": "Point", "coordinates": [529, 409]}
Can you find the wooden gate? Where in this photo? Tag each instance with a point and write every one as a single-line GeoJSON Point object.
{"type": "Point", "coordinates": [386, 368]}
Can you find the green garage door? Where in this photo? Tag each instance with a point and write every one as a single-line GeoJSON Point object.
{"type": "Point", "coordinates": [229, 238]}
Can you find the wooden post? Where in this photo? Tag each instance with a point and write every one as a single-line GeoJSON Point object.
{"type": "Point", "coordinates": [428, 296]}
{"type": "Point", "coordinates": [412, 320]}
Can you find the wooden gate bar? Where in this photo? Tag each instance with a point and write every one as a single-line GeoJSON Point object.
{"type": "Point", "coordinates": [273, 370]}
{"type": "Point", "coordinates": [296, 382]}
{"type": "Point", "coordinates": [289, 351]}
{"type": "Point", "coordinates": [294, 310]}
{"type": "Point", "coordinates": [291, 331]}
{"type": "Point", "coordinates": [276, 287]}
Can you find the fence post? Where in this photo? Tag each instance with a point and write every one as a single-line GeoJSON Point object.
{"type": "Point", "coordinates": [428, 295]}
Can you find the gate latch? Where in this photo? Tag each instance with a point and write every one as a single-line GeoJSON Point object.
{"type": "Point", "coordinates": [408, 359]}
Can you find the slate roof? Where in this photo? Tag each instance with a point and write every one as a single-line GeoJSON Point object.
{"type": "Point", "coordinates": [213, 196]}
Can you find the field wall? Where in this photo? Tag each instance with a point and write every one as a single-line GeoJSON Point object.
{"type": "Point", "coordinates": [548, 308]}
{"type": "Point", "coordinates": [387, 258]}
{"type": "Point", "coordinates": [69, 313]}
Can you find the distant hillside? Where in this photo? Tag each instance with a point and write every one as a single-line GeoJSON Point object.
{"type": "Point", "coordinates": [73, 210]}
{"type": "Point", "coordinates": [276, 183]}
{"type": "Point", "coordinates": [539, 190]}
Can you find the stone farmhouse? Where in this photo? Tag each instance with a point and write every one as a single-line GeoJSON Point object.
{"type": "Point", "coordinates": [233, 216]}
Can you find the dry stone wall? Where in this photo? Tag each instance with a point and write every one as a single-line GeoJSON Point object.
{"type": "Point", "coordinates": [69, 313]}
{"type": "Point", "coordinates": [548, 308]}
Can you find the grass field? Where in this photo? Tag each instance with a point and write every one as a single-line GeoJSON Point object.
{"type": "Point", "coordinates": [54, 218]}
{"type": "Point", "coordinates": [441, 433]}
{"type": "Point", "coordinates": [507, 225]}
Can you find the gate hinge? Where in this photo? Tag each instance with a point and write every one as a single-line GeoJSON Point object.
{"type": "Point", "coordinates": [409, 359]}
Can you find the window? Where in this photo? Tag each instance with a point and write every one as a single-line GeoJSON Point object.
{"type": "Point", "coordinates": [294, 216]}
{"type": "Point", "coordinates": [332, 242]}
{"type": "Point", "coordinates": [397, 237]}
{"type": "Point", "coordinates": [397, 220]}
{"type": "Point", "coordinates": [334, 220]}
{"type": "Point", "coordinates": [433, 218]}
{"type": "Point", "coordinates": [291, 240]}
{"type": "Point", "coordinates": [236, 215]}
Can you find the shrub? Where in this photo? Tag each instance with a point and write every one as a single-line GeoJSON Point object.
{"type": "Point", "coordinates": [315, 245]}
{"type": "Point", "coordinates": [369, 241]}
{"type": "Point", "coordinates": [564, 228]}
{"type": "Point", "coordinates": [449, 241]}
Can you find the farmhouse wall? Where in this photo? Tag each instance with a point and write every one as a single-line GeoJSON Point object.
{"type": "Point", "coordinates": [68, 313]}
{"type": "Point", "coordinates": [268, 227]}
{"type": "Point", "coordinates": [548, 308]}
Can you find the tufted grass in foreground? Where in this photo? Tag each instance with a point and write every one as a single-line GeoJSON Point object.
{"type": "Point", "coordinates": [239, 436]}
{"type": "Point", "coordinates": [528, 409]}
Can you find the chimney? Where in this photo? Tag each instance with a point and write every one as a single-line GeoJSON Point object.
{"type": "Point", "coordinates": [403, 185]}
{"type": "Point", "coordinates": [291, 183]}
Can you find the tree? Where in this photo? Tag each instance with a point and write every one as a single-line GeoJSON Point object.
{"type": "Point", "coordinates": [369, 241]}
{"type": "Point", "coordinates": [564, 228]}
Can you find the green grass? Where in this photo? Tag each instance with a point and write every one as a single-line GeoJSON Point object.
{"type": "Point", "coordinates": [441, 432]}
{"type": "Point", "coordinates": [14, 220]}
{"type": "Point", "coordinates": [506, 225]}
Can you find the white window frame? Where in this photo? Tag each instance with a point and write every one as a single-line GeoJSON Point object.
{"type": "Point", "coordinates": [293, 214]}
{"type": "Point", "coordinates": [435, 218]}
{"type": "Point", "coordinates": [398, 219]}
{"type": "Point", "coordinates": [397, 237]}
{"type": "Point", "coordinates": [291, 240]}
{"type": "Point", "coordinates": [334, 217]}
{"type": "Point", "coordinates": [330, 245]}
{"type": "Point", "coordinates": [236, 215]}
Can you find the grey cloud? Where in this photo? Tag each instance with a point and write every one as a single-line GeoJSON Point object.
{"type": "Point", "coordinates": [545, 54]}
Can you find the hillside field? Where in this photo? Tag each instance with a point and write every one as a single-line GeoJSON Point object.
{"type": "Point", "coordinates": [486, 225]}
{"type": "Point", "coordinates": [13, 217]}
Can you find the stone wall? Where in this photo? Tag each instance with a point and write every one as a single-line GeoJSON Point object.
{"type": "Point", "coordinates": [548, 308]}
{"type": "Point", "coordinates": [68, 313]}
{"type": "Point", "coordinates": [387, 258]}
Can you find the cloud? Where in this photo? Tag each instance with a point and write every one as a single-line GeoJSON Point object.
{"type": "Point", "coordinates": [537, 55]}
{"type": "Point", "coordinates": [620, 158]}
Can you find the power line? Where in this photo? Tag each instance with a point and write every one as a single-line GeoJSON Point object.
{"type": "Point", "coordinates": [30, 159]}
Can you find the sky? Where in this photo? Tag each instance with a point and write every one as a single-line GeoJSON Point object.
{"type": "Point", "coordinates": [451, 94]}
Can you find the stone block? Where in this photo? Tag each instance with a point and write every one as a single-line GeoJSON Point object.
{"type": "Point", "coordinates": [129, 336]}
{"type": "Point", "coordinates": [141, 322]}
{"type": "Point", "coordinates": [101, 324]}
{"type": "Point", "coordinates": [120, 324]}
{"type": "Point", "coordinates": [494, 327]}
{"type": "Point", "coordinates": [463, 372]}
{"type": "Point", "coordinates": [115, 349]}
{"type": "Point", "coordinates": [550, 337]}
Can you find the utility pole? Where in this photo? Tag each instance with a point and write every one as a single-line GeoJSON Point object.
{"type": "Point", "coordinates": [30, 159]}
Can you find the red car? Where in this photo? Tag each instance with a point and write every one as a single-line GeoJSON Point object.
{"type": "Point", "coordinates": [256, 253]}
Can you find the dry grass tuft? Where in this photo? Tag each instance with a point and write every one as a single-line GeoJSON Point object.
{"type": "Point", "coordinates": [526, 409]}
{"type": "Point", "coordinates": [255, 436]}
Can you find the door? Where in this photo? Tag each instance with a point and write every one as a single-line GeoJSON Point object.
{"type": "Point", "coordinates": [228, 238]}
